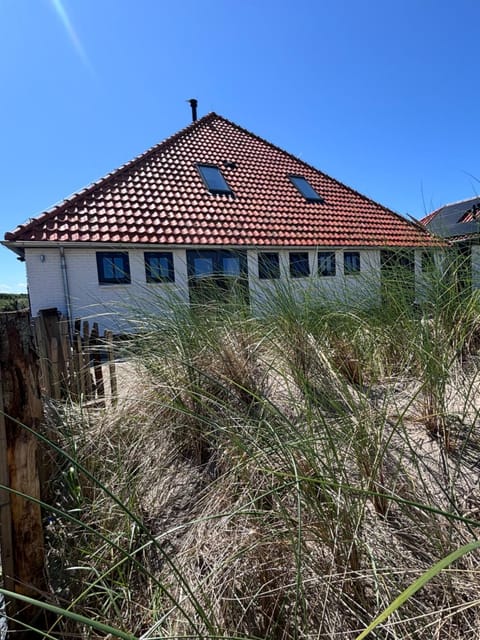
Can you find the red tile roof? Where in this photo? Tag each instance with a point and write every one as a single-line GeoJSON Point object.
{"type": "Point", "coordinates": [160, 198]}
{"type": "Point", "coordinates": [472, 215]}
{"type": "Point", "coordinates": [430, 216]}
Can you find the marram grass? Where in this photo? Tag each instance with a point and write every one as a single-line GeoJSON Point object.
{"type": "Point", "coordinates": [312, 473]}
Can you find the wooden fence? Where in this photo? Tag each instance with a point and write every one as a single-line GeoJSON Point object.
{"type": "Point", "coordinates": [73, 361]}
{"type": "Point", "coordinates": [56, 361]}
{"type": "Point", "coordinates": [21, 529]}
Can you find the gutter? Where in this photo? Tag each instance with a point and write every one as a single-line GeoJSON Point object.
{"type": "Point", "coordinates": [66, 290]}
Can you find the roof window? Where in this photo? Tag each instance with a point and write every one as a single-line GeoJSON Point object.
{"type": "Point", "coordinates": [306, 189]}
{"type": "Point", "coordinates": [213, 179]}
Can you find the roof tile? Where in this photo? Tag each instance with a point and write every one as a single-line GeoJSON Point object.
{"type": "Point", "coordinates": [160, 198]}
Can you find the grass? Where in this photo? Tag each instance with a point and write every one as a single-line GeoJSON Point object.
{"type": "Point", "coordinates": [281, 477]}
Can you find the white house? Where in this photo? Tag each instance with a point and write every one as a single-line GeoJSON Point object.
{"type": "Point", "coordinates": [214, 204]}
{"type": "Point", "coordinates": [459, 223]}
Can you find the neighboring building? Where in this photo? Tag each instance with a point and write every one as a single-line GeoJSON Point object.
{"type": "Point", "coordinates": [212, 204]}
{"type": "Point", "coordinates": [459, 222]}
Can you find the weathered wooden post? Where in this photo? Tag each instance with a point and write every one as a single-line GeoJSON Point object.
{"type": "Point", "coordinates": [111, 367]}
{"type": "Point", "coordinates": [21, 536]}
{"type": "Point", "coordinates": [97, 361]}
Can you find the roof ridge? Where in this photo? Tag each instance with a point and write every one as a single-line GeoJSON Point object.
{"type": "Point", "coordinates": [131, 206]}
{"type": "Point", "coordinates": [63, 204]}
{"type": "Point", "coordinates": [433, 214]}
{"type": "Point", "coordinates": [311, 166]}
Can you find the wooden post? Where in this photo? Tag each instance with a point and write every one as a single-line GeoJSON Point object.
{"type": "Point", "coordinates": [22, 405]}
{"type": "Point", "coordinates": [97, 361]}
{"type": "Point", "coordinates": [79, 364]}
{"type": "Point", "coordinates": [6, 541]}
{"type": "Point", "coordinates": [86, 360]}
{"type": "Point", "coordinates": [42, 345]}
{"type": "Point", "coordinates": [111, 367]}
{"type": "Point", "coordinates": [54, 356]}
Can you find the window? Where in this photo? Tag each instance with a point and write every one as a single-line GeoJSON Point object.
{"type": "Point", "coordinates": [217, 275]}
{"type": "Point", "coordinates": [306, 189]}
{"type": "Point", "coordinates": [299, 266]}
{"type": "Point", "coordinates": [230, 265]}
{"type": "Point", "coordinates": [159, 267]}
{"type": "Point", "coordinates": [207, 263]}
{"type": "Point", "coordinates": [113, 267]}
{"type": "Point", "coordinates": [326, 263]}
{"type": "Point", "coordinates": [268, 266]}
{"type": "Point", "coordinates": [351, 262]}
{"type": "Point", "coordinates": [213, 179]}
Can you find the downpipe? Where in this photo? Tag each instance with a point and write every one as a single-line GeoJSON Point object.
{"type": "Point", "coordinates": [66, 291]}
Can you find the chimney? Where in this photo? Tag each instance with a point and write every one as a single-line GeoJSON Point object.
{"type": "Point", "coordinates": [193, 103]}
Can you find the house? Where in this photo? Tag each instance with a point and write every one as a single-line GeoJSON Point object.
{"type": "Point", "coordinates": [213, 204]}
{"type": "Point", "coordinates": [459, 222]}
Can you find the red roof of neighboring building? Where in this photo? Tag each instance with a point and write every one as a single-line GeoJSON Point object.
{"type": "Point", "coordinates": [430, 216]}
{"type": "Point", "coordinates": [160, 198]}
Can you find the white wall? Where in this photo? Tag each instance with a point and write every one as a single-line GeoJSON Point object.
{"type": "Point", "coordinates": [423, 280]}
{"type": "Point", "coordinates": [363, 287]}
{"type": "Point", "coordinates": [109, 304]}
{"type": "Point", "coordinates": [112, 304]}
{"type": "Point", "coordinates": [44, 277]}
{"type": "Point", "coordinates": [476, 266]}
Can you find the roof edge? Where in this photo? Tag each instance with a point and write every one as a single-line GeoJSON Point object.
{"type": "Point", "coordinates": [63, 204]}
{"type": "Point", "coordinates": [312, 167]}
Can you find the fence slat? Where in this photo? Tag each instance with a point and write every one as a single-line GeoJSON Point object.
{"type": "Point", "coordinates": [111, 367]}
{"type": "Point", "coordinates": [42, 346]}
{"type": "Point", "coordinates": [97, 361]}
{"type": "Point", "coordinates": [86, 360]}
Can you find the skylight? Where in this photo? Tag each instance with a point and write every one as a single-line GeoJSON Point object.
{"type": "Point", "coordinates": [213, 179]}
{"type": "Point", "coordinates": [306, 189]}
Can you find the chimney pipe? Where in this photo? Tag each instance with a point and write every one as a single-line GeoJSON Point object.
{"type": "Point", "coordinates": [193, 103]}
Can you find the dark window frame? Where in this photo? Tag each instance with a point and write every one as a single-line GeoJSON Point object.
{"type": "Point", "coordinates": [323, 272]}
{"type": "Point", "coordinates": [123, 272]}
{"type": "Point", "coordinates": [349, 269]}
{"type": "Point", "coordinates": [150, 276]}
{"type": "Point", "coordinates": [217, 256]}
{"type": "Point", "coordinates": [305, 189]}
{"type": "Point", "coordinates": [224, 190]}
{"type": "Point", "coordinates": [295, 262]}
{"type": "Point", "coordinates": [268, 263]}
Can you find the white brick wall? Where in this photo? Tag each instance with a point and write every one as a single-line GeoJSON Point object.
{"type": "Point", "coordinates": [338, 288]}
{"type": "Point", "coordinates": [109, 304]}
{"type": "Point", "coordinates": [114, 306]}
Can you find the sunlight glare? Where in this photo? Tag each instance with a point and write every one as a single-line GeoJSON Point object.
{"type": "Point", "coordinates": [72, 34]}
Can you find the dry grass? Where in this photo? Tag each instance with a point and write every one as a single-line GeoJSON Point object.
{"type": "Point", "coordinates": [276, 479]}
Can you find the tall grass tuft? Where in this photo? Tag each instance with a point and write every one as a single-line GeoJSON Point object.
{"type": "Point", "coordinates": [284, 477]}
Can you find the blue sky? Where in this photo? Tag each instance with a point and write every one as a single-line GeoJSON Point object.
{"type": "Point", "coordinates": [383, 95]}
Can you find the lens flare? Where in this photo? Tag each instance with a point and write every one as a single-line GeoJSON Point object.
{"type": "Point", "coordinates": [72, 34]}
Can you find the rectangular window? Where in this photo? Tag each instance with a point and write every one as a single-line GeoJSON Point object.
{"type": "Point", "coordinates": [351, 262]}
{"type": "Point", "coordinates": [203, 265]}
{"type": "Point", "coordinates": [326, 263]}
{"type": "Point", "coordinates": [231, 266]}
{"type": "Point", "coordinates": [159, 266]}
{"type": "Point", "coordinates": [306, 189]}
{"type": "Point", "coordinates": [113, 267]}
{"type": "Point", "coordinates": [299, 266]}
{"type": "Point", "coordinates": [213, 179]}
{"type": "Point", "coordinates": [268, 266]}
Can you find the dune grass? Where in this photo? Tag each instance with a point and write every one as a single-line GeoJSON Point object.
{"type": "Point", "coordinates": [281, 477]}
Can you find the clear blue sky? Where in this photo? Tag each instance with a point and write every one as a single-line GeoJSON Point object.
{"type": "Point", "coordinates": [381, 94]}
